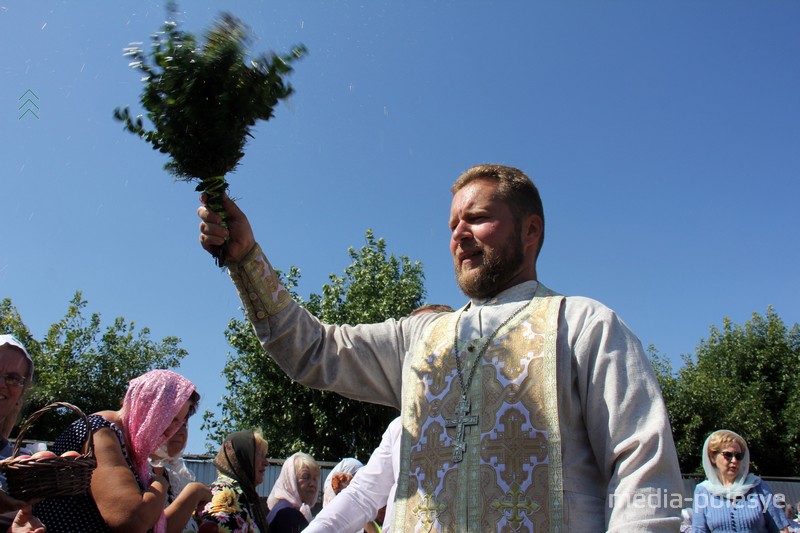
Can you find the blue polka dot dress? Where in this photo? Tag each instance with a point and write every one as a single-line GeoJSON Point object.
{"type": "Point", "coordinates": [74, 514]}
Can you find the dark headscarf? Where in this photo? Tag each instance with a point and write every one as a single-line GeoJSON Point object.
{"type": "Point", "coordinates": [237, 460]}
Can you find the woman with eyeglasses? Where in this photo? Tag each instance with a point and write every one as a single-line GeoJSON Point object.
{"type": "Point", "coordinates": [16, 373]}
{"type": "Point", "coordinates": [731, 498]}
{"type": "Point", "coordinates": [235, 505]}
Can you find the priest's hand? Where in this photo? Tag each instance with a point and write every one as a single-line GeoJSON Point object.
{"type": "Point", "coordinates": [238, 234]}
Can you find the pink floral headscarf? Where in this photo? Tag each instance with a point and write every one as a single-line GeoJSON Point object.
{"type": "Point", "coordinates": [150, 405]}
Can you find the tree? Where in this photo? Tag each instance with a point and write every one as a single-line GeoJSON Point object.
{"type": "Point", "coordinates": [293, 417]}
{"type": "Point", "coordinates": [82, 363]}
{"type": "Point", "coordinates": [742, 378]}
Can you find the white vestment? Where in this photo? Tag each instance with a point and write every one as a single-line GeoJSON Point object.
{"type": "Point", "coordinates": [620, 467]}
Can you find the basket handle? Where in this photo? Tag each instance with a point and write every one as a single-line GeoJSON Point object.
{"type": "Point", "coordinates": [88, 446]}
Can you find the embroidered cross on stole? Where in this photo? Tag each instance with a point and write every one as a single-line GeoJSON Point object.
{"type": "Point", "coordinates": [491, 462]}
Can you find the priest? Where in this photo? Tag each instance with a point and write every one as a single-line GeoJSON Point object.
{"type": "Point", "coordinates": [525, 410]}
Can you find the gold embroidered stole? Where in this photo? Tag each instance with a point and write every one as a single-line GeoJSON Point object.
{"type": "Point", "coordinates": [510, 475]}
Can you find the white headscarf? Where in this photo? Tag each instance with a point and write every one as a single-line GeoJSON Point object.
{"type": "Point", "coordinates": [286, 492]}
{"type": "Point", "coordinates": [11, 340]}
{"type": "Point", "coordinates": [744, 480]}
{"type": "Point", "coordinates": [348, 465]}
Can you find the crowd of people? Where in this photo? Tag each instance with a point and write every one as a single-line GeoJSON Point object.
{"type": "Point", "coordinates": [141, 482]}
{"type": "Point", "coordinates": [524, 410]}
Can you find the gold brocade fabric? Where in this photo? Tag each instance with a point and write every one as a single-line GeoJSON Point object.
{"type": "Point", "coordinates": [258, 285]}
{"type": "Point", "coordinates": [510, 476]}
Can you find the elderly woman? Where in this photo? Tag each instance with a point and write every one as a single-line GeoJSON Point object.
{"type": "Point", "coordinates": [732, 499]}
{"type": "Point", "coordinates": [126, 494]}
{"type": "Point", "coordinates": [293, 494]}
{"type": "Point", "coordinates": [235, 506]}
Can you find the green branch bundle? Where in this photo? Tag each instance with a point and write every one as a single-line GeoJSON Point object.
{"type": "Point", "coordinates": [203, 101]}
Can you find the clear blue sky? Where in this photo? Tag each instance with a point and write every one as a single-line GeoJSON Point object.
{"type": "Point", "coordinates": [664, 137]}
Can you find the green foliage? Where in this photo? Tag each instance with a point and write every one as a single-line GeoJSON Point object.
{"type": "Point", "coordinates": [204, 100]}
{"type": "Point", "coordinates": [742, 378]}
{"type": "Point", "coordinates": [80, 362]}
{"type": "Point", "coordinates": [328, 426]}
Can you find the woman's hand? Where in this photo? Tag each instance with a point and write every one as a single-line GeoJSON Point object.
{"type": "Point", "coordinates": [25, 522]}
{"type": "Point", "coordinates": [191, 499]}
{"type": "Point", "coordinates": [198, 493]}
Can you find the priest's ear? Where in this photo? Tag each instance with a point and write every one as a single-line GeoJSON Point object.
{"type": "Point", "coordinates": [532, 234]}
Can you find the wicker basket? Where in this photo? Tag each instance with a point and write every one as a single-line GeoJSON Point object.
{"type": "Point", "coordinates": [49, 477]}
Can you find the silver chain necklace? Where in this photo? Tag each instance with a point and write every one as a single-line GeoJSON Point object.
{"type": "Point", "coordinates": [463, 418]}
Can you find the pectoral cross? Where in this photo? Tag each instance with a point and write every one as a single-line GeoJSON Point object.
{"type": "Point", "coordinates": [462, 419]}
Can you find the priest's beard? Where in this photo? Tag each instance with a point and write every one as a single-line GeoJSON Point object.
{"type": "Point", "coordinates": [498, 268]}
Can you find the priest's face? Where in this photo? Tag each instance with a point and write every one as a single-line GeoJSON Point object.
{"type": "Point", "coordinates": [485, 242]}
